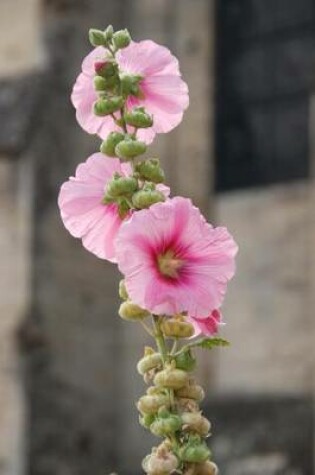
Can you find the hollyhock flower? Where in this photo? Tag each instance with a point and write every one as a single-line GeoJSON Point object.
{"type": "Point", "coordinates": [83, 213]}
{"type": "Point", "coordinates": [82, 209]}
{"type": "Point", "coordinates": [173, 260]}
{"type": "Point", "coordinates": [208, 326]}
{"type": "Point", "coordinates": [163, 92]}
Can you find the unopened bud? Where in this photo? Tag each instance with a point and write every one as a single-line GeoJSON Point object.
{"type": "Point", "coordinates": [121, 39]}
{"type": "Point", "coordinates": [96, 37]}
{"type": "Point", "coordinates": [149, 362]}
{"type": "Point", "coordinates": [145, 198]}
{"type": "Point", "coordinates": [191, 391]}
{"type": "Point", "coordinates": [138, 118]}
{"type": "Point", "coordinates": [121, 186]}
{"type": "Point", "coordinates": [123, 294]}
{"type": "Point", "coordinates": [109, 144]}
{"type": "Point", "coordinates": [185, 361]}
{"type": "Point", "coordinates": [130, 84]}
{"type": "Point", "coordinates": [130, 311]}
{"type": "Point", "coordinates": [99, 83]}
{"type": "Point", "coordinates": [160, 462]}
{"type": "Point", "coordinates": [105, 68]}
{"type": "Point", "coordinates": [146, 420]}
{"type": "Point", "coordinates": [171, 378]}
{"type": "Point", "coordinates": [163, 426]}
{"type": "Point", "coordinates": [151, 403]}
{"type": "Point", "coordinates": [196, 422]}
{"type": "Point", "coordinates": [196, 452]}
{"type": "Point", "coordinates": [150, 170]}
{"type": "Point", "coordinates": [128, 149]}
{"type": "Point", "coordinates": [103, 107]}
{"type": "Point", "coordinates": [108, 33]}
{"type": "Point", "coordinates": [207, 468]}
{"type": "Point", "coordinates": [177, 327]}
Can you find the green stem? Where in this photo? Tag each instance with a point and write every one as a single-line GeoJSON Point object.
{"type": "Point", "coordinates": [159, 338]}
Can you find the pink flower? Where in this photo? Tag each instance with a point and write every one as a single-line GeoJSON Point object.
{"type": "Point", "coordinates": [82, 211]}
{"type": "Point", "coordinates": [208, 326]}
{"type": "Point", "coordinates": [174, 261]}
{"type": "Point", "coordinates": [164, 93]}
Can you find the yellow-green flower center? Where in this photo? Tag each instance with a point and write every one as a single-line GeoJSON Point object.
{"type": "Point", "coordinates": [169, 264]}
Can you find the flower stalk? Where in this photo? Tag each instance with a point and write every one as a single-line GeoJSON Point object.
{"type": "Point", "coordinates": [119, 205]}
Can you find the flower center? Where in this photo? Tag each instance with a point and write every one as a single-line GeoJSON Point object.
{"type": "Point", "coordinates": [169, 264]}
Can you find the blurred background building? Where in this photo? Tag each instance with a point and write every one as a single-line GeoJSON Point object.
{"type": "Point", "coordinates": [244, 153]}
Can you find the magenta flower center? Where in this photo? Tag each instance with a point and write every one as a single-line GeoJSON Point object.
{"type": "Point", "coordinates": [169, 264]}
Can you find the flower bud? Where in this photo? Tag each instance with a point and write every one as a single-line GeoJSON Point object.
{"type": "Point", "coordinates": [121, 186]}
{"type": "Point", "coordinates": [207, 468]}
{"type": "Point", "coordinates": [146, 420]}
{"type": "Point", "coordinates": [105, 68]}
{"type": "Point", "coordinates": [162, 426]}
{"type": "Point", "coordinates": [123, 294]}
{"type": "Point", "coordinates": [177, 327]}
{"type": "Point", "coordinates": [171, 378]}
{"type": "Point", "coordinates": [161, 462]}
{"type": "Point", "coordinates": [99, 83]}
{"type": "Point", "coordinates": [185, 361]}
{"type": "Point", "coordinates": [191, 391]}
{"type": "Point", "coordinates": [130, 311]}
{"type": "Point", "coordinates": [186, 405]}
{"type": "Point", "coordinates": [96, 37]}
{"type": "Point", "coordinates": [150, 170]}
{"type": "Point", "coordinates": [137, 117]}
{"type": "Point", "coordinates": [128, 149]}
{"type": "Point", "coordinates": [194, 452]}
{"type": "Point", "coordinates": [145, 198]}
{"type": "Point", "coordinates": [121, 39]}
{"type": "Point", "coordinates": [108, 33]}
{"type": "Point", "coordinates": [196, 422]}
{"type": "Point", "coordinates": [103, 107]}
{"type": "Point", "coordinates": [149, 362]}
{"type": "Point", "coordinates": [150, 404]}
{"type": "Point", "coordinates": [130, 84]}
{"type": "Point", "coordinates": [109, 144]}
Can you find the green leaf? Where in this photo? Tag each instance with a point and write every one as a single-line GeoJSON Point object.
{"type": "Point", "coordinates": [209, 343]}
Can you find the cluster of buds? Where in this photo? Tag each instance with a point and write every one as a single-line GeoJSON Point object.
{"type": "Point", "coordinates": [170, 408]}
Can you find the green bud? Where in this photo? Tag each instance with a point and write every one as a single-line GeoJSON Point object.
{"type": "Point", "coordinates": [96, 37]}
{"type": "Point", "coordinates": [150, 404]}
{"type": "Point", "coordinates": [164, 426]}
{"type": "Point", "coordinates": [171, 378]}
{"type": "Point", "coordinates": [150, 170]}
{"type": "Point", "coordinates": [132, 312]}
{"type": "Point", "coordinates": [103, 107]}
{"type": "Point", "coordinates": [185, 361]}
{"type": "Point", "coordinates": [123, 294]}
{"type": "Point", "coordinates": [121, 39]}
{"type": "Point", "coordinates": [99, 83]}
{"type": "Point", "coordinates": [146, 420]}
{"type": "Point", "coordinates": [121, 186]}
{"type": "Point", "coordinates": [108, 33]}
{"type": "Point", "coordinates": [108, 146]}
{"type": "Point", "coordinates": [123, 207]}
{"type": "Point", "coordinates": [145, 198]}
{"type": "Point", "coordinates": [177, 327]}
{"type": "Point", "coordinates": [107, 68]}
{"type": "Point", "coordinates": [149, 362]}
{"type": "Point", "coordinates": [138, 118]}
{"type": "Point", "coordinates": [128, 149]}
{"type": "Point", "coordinates": [196, 452]}
{"type": "Point", "coordinates": [130, 84]}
